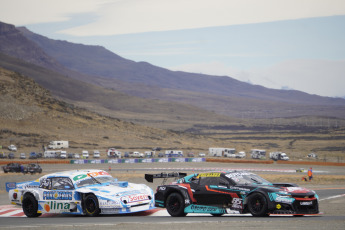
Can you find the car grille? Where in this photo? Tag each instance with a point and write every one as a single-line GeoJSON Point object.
{"type": "Point", "coordinates": [306, 209]}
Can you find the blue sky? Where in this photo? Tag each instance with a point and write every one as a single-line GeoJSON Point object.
{"type": "Point", "coordinates": [290, 44]}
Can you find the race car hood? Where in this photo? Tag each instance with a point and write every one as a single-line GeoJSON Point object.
{"type": "Point", "coordinates": [298, 190]}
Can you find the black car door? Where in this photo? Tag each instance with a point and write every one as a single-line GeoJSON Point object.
{"type": "Point", "coordinates": [207, 192]}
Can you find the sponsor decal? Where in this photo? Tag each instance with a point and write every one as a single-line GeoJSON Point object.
{"type": "Point", "coordinates": [92, 174]}
{"type": "Point", "coordinates": [284, 199]}
{"type": "Point", "coordinates": [278, 206]}
{"type": "Point", "coordinates": [110, 211]}
{"type": "Point", "coordinates": [56, 206]}
{"type": "Point", "coordinates": [209, 175]}
{"type": "Point", "coordinates": [237, 174]}
{"type": "Point", "coordinates": [306, 203]}
{"type": "Point", "coordinates": [162, 188]}
{"type": "Point", "coordinates": [54, 195]}
{"type": "Point", "coordinates": [236, 203]}
{"type": "Point", "coordinates": [239, 188]}
{"type": "Point", "coordinates": [135, 198]}
{"type": "Point", "coordinates": [203, 209]}
{"type": "Point", "coordinates": [109, 204]}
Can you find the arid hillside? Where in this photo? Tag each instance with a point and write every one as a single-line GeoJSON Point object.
{"type": "Point", "coordinates": [30, 117]}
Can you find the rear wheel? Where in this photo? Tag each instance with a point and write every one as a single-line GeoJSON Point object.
{"type": "Point", "coordinates": [91, 205]}
{"type": "Point", "coordinates": [257, 205]}
{"type": "Point", "coordinates": [30, 206]}
{"type": "Point", "coordinates": [175, 205]}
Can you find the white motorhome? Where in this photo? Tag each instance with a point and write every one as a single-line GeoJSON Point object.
{"type": "Point", "coordinates": [219, 152]}
{"type": "Point", "coordinates": [279, 156]}
{"type": "Point", "coordinates": [113, 153]}
{"type": "Point", "coordinates": [258, 153]}
{"type": "Point", "coordinates": [51, 154]}
{"type": "Point", "coordinates": [58, 145]}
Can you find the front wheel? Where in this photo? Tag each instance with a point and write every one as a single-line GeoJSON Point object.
{"type": "Point", "coordinates": [175, 205]}
{"type": "Point", "coordinates": [257, 205]}
{"type": "Point", "coordinates": [30, 206]}
{"type": "Point", "coordinates": [91, 205]}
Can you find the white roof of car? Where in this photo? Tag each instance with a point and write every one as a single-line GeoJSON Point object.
{"type": "Point", "coordinates": [73, 173]}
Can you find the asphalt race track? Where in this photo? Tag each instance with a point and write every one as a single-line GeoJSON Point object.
{"type": "Point", "coordinates": [332, 206]}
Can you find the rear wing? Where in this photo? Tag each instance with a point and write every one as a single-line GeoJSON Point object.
{"type": "Point", "coordinates": [150, 177]}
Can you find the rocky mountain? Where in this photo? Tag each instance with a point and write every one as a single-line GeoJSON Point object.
{"type": "Point", "coordinates": [97, 61]}
{"type": "Point", "coordinates": [157, 95]}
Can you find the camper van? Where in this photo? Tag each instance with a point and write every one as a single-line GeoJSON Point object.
{"type": "Point", "coordinates": [279, 156]}
{"type": "Point", "coordinates": [50, 154]}
{"type": "Point", "coordinates": [220, 152]}
{"type": "Point", "coordinates": [58, 145]}
{"type": "Point", "coordinates": [113, 153]}
{"type": "Point", "coordinates": [258, 153]}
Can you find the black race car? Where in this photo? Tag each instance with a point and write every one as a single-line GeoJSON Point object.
{"type": "Point", "coordinates": [13, 167]}
{"type": "Point", "coordinates": [220, 193]}
{"type": "Point", "coordinates": [33, 168]}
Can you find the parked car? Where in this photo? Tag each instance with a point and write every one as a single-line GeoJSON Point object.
{"type": "Point", "coordinates": [22, 156]}
{"type": "Point", "coordinates": [76, 156]}
{"type": "Point", "coordinates": [85, 154]}
{"type": "Point", "coordinates": [80, 192]}
{"type": "Point", "coordinates": [136, 154]}
{"type": "Point", "coordinates": [202, 154]}
{"type": "Point", "coordinates": [312, 155]}
{"type": "Point", "coordinates": [161, 154]}
{"type": "Point", "coordinates": [156, 149]}
{"type": "Point", "coordinates": [3, 155]}
{"type": "Point", "coordinates": [12, 148]}
{"type": "Point", "coordinates": [33, 155]}
{"type": "Point", "coordinates": [218, 193]}
{"type": "Point", "coordinates": [63, 155]}
{"type": "Point", "coordinates": [96, 154]}
{"type": "Point", "coordinates": [33, 168]}
{"type": "Point", "coordinates": [190, 154]}
{"type": "Point", "coordinates": [11, 156]}
{"type": "Point", "coordinates": [13, 167]}
{"type": "Point", "coordinates": [70, 155]}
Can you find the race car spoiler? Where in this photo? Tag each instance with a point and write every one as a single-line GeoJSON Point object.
{"type": "Point", "coordinates": [150, 177]}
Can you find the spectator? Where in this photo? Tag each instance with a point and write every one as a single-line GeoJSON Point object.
{"type": "Point", "coordinates": [310, 173]}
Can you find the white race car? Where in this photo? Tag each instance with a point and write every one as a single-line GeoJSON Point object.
{"type": "Point", "coordinates": [84, 192]}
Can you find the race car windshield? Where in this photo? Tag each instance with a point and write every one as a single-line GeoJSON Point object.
{"type": "Point", "coordinates": [92, 181]}
{"type": "Point", "coordinates": [250, 179]}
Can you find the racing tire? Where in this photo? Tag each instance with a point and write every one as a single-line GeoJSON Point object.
{"type": "Point", "coordinates": [257, 205]}
{"type": "Point", "coordinates": [91, 205]}
{"type": "Point", "coordinates": [30, 206]}
{"type": "Point", "coordinates": [175, 205]}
